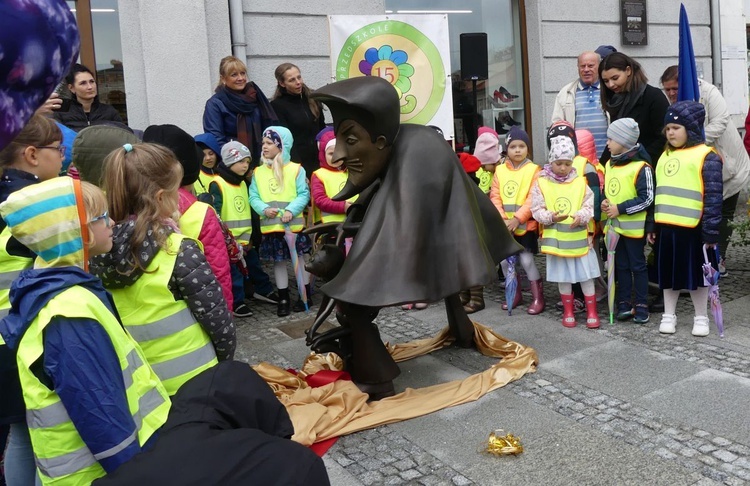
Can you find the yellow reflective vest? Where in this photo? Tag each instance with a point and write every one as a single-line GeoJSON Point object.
{"type": "Point", "coordinates": [679, 186]}
{"type": "Point", "coordinates": [620, 186]}
{"type": "Point", "coordinates": [204, 180]}
{"type": "Point", "coordinates": [61, 456]}
{"type": "Point", "coordinates": [485, 180]}
{"type": "Point", "coordinates": [333, 182]}
{"type": "Point", "coordinates": [235, 209]}
{"type": "Point", "coordinates": [10, 267]}
{"type": "Point", "coordinates": [174, 343]}
{"type": "Point", "coordinates": [278, 196]}
{"type": "Point", "coordinates": [579, 164]}
{"type": "Point", "coordinates": [191, 221]}
{"type": "Point", "coordinates": [559, 238]}
{"type": "Point", "coordinates": [515, 185]}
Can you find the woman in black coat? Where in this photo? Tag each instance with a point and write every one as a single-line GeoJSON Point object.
{"type": "Point", "coordinates": [84, 108]}
{"type": "Point", "coordinates": [626, 94]}
{"type": "Point", "coordinates": [301, 115]}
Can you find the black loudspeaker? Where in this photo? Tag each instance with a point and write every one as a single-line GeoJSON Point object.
{"type": "Point", "coordinates": [474, 56]}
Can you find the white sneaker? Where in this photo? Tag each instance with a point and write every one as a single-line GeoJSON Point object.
{"type": "Point", "coordinates": [700, 326]}
{"type": "Point", "coordinates": [668, 324]}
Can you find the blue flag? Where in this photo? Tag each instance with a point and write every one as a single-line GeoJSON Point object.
{"type": "Point", "coordinates": [687, 89]}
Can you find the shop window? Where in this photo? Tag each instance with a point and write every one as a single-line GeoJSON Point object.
{"type": "Point", "coordinates": [101, 48]}
{"type": "Point", "coordinates": [501, 102]}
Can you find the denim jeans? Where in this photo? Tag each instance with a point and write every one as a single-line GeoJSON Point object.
{"type": "Point", "coordinates": [20, 469]}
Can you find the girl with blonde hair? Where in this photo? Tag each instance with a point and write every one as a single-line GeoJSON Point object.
{"type": "Point", "coordinates": [279, 193]}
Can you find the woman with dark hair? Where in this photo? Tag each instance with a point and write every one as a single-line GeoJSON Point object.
{"type": "Point", "coordinates": [239, 110]}
{"type": "Point", "coordinates": [84, 108]}
{"type": "Point", "coordinates": [626, 94]}
{"type": "Point", "coordinates": [297, 112]}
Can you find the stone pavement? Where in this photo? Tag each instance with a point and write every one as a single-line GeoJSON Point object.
{"type": "Point", "coordinates": [619, 405]}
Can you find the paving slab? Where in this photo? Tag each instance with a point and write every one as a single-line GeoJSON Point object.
{"type": "Point", "coordinates": [556, 451]}
{"type": "Point", "coordinates": [715, 400]}
{"type": "Point", "coordinates": [546, 335]}
{"type": "Point", "coordinates": [337, 475]}
{"type": "Point", "coordinates": [621, 370]}
{"type": "Point", "coordinates": [426, 371]}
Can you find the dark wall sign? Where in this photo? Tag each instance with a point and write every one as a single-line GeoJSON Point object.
{"type": "Point", "coordinates": [633, 23]}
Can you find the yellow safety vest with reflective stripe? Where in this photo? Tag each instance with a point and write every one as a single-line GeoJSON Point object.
{"type": "Point", "coordinates": [235, 209]}
{"type": "Point", "coordinates": [204, 180]}
{"type": "Point", "coordinates": [278, 197]}
{"type": "Point", "coordinates": [515, 185]}
{"type": "Point", "coordinates": [620, 186]}
{"type": "Point", "coordinates": [485, 180]}
{"type": "Point", "coordinates": [333, 182]}
{"type": "Point", "coordinates": [679, 186]}
{"type": "Point", "coordinates": [174, 343]}
{"type": "Point", "coordinates": [61, 456]}
{"type": "Point", "coordinates": [559, 238]}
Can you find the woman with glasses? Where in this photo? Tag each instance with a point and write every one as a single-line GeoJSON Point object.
{"type": "Point", "coordinates": [84, 108]}
{"type": "Point", "coordinates": [35, 155]}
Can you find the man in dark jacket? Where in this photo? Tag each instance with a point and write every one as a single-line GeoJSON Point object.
{"type": "Point", "coordinates": [226, 428]}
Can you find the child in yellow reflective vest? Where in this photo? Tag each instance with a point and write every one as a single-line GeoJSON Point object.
{"type": "Point", "coordinates": [563, 204]}
{"type": "Point", "coordinates": [279, 193]}
{"type": "Point", "coordinates": [629, 192]}
{"type": "Point", "coordinates": [29, 158]}
{"type": "Point", "coordinates": [510, 193]}
{"type": "Point", "coordinates": [165, 291]}
{"type": "Point", "coordinates": [687, 212]}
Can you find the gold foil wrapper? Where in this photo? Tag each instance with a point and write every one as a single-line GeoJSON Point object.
{"type": "Point", "coordinates": [503, 445]}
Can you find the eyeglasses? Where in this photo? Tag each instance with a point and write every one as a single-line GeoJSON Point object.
{"type": "Point", "coordinates": [104, 216]}
{"type": "Point", "coordinates": [60, 149]}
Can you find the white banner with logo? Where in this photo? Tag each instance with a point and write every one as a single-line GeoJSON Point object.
{"type": "Point", "coordinates": [410, 51]}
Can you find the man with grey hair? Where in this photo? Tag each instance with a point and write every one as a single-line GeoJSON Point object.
{"type": "Point", "coordinates": [579, 102]}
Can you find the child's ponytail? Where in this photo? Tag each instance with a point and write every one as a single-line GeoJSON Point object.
{"type": "Point", "coordinates": [141, 182]}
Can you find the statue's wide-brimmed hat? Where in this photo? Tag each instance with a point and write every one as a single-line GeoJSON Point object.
{"type": "Point", "coordinates": [371, 101]}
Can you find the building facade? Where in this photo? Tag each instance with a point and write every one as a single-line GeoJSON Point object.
{"type": "Point", "coordinates": [170, 51]}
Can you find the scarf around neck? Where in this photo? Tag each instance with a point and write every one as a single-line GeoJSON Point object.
{"type": "Point", "coordinates": [253, 111]}
{"type": "Point", "coordinates": [625, 102]}
{"type": "Point", "coordinates": [547, 172]}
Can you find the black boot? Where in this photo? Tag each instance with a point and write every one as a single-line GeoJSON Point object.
{"type": "Point", "coordinates": [299, 306]}
{"type": "Point", "coordinates": [282, 309]}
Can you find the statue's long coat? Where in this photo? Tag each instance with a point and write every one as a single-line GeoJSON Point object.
{"type": "Point", "coordinates": [428, 233]}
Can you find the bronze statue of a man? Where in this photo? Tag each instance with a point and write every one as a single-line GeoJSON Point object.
{"type": "Point", "coordinates": [427, 232]}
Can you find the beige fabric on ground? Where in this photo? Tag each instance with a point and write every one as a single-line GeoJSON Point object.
{"type": "Point", "coordinates": [340, 408]}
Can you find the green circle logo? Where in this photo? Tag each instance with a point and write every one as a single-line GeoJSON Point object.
{"type": "Point", "coordinates": [403, 56]}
